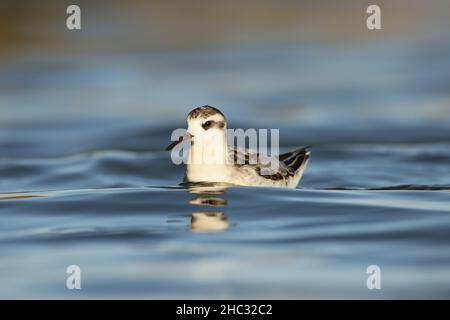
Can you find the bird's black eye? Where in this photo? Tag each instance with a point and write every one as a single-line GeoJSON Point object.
{"type": "Point", "coordinates": [207, 124]}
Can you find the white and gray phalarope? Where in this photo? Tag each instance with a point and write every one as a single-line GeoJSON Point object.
{"type": "Point", "coordinates": [210, 159]}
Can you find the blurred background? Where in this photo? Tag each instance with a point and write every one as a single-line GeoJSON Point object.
{"type": "Point", "coordinates": [85, 116]}
{"type": "Point", "coordinates": [265, 63]}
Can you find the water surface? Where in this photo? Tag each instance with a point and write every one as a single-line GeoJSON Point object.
{"type": "Point", "coordinates": [84, 179]}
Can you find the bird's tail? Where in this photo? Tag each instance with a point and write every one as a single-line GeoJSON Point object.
{"type": "Point", "coordinates": [296, 161]}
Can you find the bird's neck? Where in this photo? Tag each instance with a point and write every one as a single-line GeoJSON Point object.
{"type": "Point", "coordinates": [209, 151]}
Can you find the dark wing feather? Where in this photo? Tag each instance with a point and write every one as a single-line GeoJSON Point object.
{"type": "Point", "coordinates": [293, 160]}
{"type": "Point", "coordinates": [290, 162]}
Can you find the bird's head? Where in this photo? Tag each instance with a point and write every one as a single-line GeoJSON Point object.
{"type": "Point", "coordinates": [206, 125]}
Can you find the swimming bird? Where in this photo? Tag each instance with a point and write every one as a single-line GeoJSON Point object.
{"type": "Point", "coordinates": [211, 160]}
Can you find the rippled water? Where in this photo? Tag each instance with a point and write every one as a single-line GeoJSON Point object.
{"type": "Point", "coordinates": [79, 185]}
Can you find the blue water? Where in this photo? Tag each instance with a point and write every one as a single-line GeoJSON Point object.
{"type": "Point", "coordinates": [84, 179]}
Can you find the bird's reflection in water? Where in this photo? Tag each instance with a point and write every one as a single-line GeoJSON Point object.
{"type": "Point", "coordinates": [208, 196]}
{"type": "Point", "coordinates": [209, 221]}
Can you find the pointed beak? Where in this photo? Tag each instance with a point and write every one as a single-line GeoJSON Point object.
{"type": "Point", "coordinates": [186, 137]}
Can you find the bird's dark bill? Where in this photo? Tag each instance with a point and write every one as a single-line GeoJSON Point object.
{"type": "Point", "coordinates": [184, 138]}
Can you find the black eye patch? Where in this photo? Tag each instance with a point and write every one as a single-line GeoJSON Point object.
{"type": "Point", "coordinates": [208, 124]}
{"type": "Point", "coordinates": [211, 123]}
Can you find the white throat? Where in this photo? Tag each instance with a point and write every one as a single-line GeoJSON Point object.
{"type": "Point", "coordinates": [209, 149]}
{"type": "Point", "coordinates": [208, 158]}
